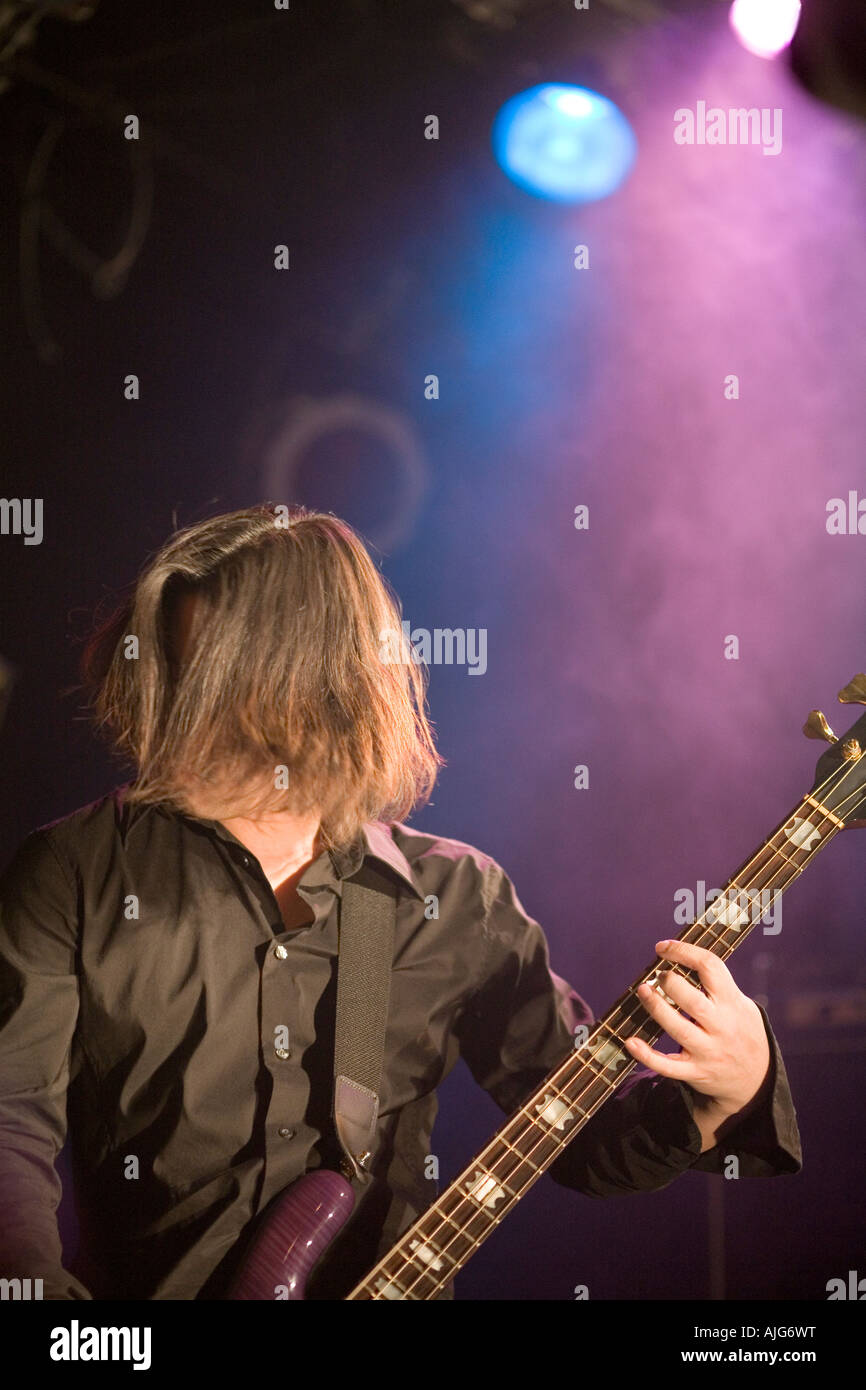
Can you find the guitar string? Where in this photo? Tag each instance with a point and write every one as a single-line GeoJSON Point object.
{"type": "Point", "coordinates": [841, 774]}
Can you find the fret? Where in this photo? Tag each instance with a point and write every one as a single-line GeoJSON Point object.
{"type": "Point", "coordinates": [726, 941]}
{"type": "Point", "coordinates": [406, 1280]}
{"type": "Point", "coordinates": [593, 1089]}
{"type": "Point", "coordinates": [448, 1234]}
{"type": "Point", "coordinates": [703, 929]}
{"type": "Point", "coordinates": [417, 1280]}
{"type": "Point", "coordinates": [741, 891]}
{"type": "Point", "coordinates": [608, 1028]}
{"type": "Point", "coordinates": [647, 1028]}
{"type": "Point", "coordinates": [533, 1144]}
{"type": "Point", "coordinates": [766, 851]}
{"type": "Point", "coordinates": [782, 855]}
{"type": "Point", "coordinates": [435, 1211]}
{"type": "Point", "coordinates": [468, 1217]}
{"type": "Point", "coordinates": [524, 1158]}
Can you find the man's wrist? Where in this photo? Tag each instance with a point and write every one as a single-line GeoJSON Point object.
{"type": "Point", "coordinates": [715, 1118]}
{"type": "Point", "coordinates": [709, 1116]}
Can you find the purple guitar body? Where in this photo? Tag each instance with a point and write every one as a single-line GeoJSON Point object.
{"type": "Point", "coordinates": [299, 1229]}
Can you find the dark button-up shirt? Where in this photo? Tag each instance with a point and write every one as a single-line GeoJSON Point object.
{"type": "Point", "coordinates": [153, 1004]}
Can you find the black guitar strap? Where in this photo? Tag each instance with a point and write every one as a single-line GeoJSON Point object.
{"type": "Point", "coordinates": [368, 913]}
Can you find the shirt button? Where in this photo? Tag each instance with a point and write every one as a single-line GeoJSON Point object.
{"type": "Point", "coordinates": [286, 1133]}
{"type": "Point", "coordinates": [282, 1052]}
{"type": "Point", "coordinates": [280, 952]}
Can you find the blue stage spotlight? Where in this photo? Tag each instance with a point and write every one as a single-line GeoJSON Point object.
{"type": "Point", "coordinates": [565, 143]}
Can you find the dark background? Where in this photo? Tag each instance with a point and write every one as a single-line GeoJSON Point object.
{"type": "Point", "coordinates": [557, 387]}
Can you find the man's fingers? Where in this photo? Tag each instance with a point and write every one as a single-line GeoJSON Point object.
{"type": "Point", "coordinates": [714, 975]}
{"type": "Point", "coordinates": [687, 996]}
{"type": "Point", "coordinates": [668, 1018]}
{"type": "Point", "coordinates": [665, 1063]}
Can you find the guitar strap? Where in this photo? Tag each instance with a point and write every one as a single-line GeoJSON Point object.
{"type": "Point", "coordinates": [368, 913]}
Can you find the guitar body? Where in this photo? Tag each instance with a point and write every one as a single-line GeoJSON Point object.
{"type": "Point", "coordinates": [299, 1228]}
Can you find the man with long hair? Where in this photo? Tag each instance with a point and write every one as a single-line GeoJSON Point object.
{"type": "Point", "coordinates": [168, 953]}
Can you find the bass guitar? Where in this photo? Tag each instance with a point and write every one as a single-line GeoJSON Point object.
{"type": "Point", "coordinates": [307, 1218]}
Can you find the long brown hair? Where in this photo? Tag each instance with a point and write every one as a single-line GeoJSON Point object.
{"type": "Point", "coordinates": [284, 700]}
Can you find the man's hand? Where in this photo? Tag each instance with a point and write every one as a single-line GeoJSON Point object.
{"type": "Point", "coordinates": [725, 1054]}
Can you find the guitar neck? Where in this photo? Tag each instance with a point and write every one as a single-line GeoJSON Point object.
{"type": "Point", "coordinates": [449, 1232]}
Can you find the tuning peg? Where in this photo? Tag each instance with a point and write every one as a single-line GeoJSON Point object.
{"type": "Point", "coordinates": [854, 692]}
{"type": "Point", "coordinates": [816, 726]}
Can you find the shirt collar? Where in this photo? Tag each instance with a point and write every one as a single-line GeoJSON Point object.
{"type": "Point", "coordinates": [380, 844]}
{"type": "Point", "coordinates": [374, 839]}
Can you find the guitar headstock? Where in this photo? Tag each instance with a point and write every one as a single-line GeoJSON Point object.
{"type": "Point", "coordinates": [840, 776]}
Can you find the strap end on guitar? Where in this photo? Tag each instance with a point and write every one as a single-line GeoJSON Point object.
{"type": "Point", "coordinates": [356, 1110]}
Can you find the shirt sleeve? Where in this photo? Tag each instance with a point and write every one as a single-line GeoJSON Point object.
{"type": "Point", "coordinates": [520, 1024]}
{"type": "Point", "coordinates": [38, 1015]}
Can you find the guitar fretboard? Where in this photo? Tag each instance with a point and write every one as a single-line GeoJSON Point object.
{"type": "Point", "coordinates": [449, 1232]}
